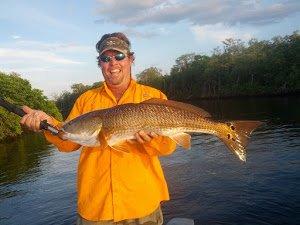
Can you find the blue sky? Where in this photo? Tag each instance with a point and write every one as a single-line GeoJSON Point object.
{"type": "Point", "coordinates": [52, 43]}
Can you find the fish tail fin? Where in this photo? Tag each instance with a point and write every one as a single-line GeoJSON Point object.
{"type": "Point", "coordinates": [237, 136]}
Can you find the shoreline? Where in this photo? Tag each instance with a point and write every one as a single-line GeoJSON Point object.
{"type": "Point", "coordinates": [291, 94]}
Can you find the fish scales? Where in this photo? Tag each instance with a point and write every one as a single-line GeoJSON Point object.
{"type": "Point", "coordinates": [145, 116]}
{"type": "Point", "coordinates": [169, 118]}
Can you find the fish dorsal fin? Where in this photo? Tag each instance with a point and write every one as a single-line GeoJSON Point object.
{"type": "Point", "coordinates": [179, 105]}
{"type": "Point", "coordinates": [182, 139]}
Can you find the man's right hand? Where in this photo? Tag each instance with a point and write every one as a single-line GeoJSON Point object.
{"type": "Point", "coordinates": [33, 118]}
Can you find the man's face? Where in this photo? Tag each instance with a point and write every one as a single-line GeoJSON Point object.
{"type": "Point", "coordinates": [116, 73]}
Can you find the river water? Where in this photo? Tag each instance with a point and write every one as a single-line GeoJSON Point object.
{"type": "Point", "coordinates": [207, 183]}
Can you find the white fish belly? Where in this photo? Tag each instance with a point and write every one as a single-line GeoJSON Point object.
{"type": "Point", "coordinates": [84, 139]}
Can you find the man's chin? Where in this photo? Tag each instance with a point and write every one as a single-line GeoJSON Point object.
{"type": "Point", "coordinates": [114, 82]}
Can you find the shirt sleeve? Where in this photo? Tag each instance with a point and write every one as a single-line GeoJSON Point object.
{"type": "Point", "coordinates": [65, 145]}
{"type": "Point", "coordinates": [161, 145]}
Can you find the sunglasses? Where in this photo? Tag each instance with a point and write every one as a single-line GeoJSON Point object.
{"type": "Point", "coordinates": [105, 58]}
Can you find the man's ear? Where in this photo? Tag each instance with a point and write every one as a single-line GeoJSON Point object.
{"type": "Point", "coordinates": [132, 58]}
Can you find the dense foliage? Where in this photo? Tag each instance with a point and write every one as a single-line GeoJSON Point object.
{"type": "Point", "coordinates": [237, 69]}
{"type": "Point", "coordinates": [19, 91]}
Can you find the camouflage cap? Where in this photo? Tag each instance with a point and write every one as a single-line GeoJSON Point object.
{"type": "Point", "coordinates": [113, 43]}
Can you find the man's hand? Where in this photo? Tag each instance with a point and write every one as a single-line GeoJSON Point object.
{"type": "Point", "coordinates": [143, 137]}
{"type": "Point", "coordinates": [33, 118]}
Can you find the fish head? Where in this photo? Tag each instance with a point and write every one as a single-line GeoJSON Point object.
{"type": "Point", "coordinates": [82, 131]}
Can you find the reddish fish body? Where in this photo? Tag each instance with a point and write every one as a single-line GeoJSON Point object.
{"type": "Point", "coordinates": [164, 117]}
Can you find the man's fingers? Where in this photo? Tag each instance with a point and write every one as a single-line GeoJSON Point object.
{"type": "Point", "coordinates": [145, 136]}
{"type": "Point", "coordinates": [142, 136]}
{"type": "Point", "coordinates": [139, 138]}
{"type": "Point", "coordinates": [23, 119]}
{"type": "Point", "coordinates": [33, 118]}
{"type": "Point", "coordinates": [153, 134]}
{"type": "Point", "coordinates": [37, 123]}
{"type": "Point", "coordinates": [27, 109]}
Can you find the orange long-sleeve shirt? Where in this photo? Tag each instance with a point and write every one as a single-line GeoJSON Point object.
{"type": "Point", "coordinates": [113, 185]}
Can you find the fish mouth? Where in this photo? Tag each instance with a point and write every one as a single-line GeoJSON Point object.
{"type": "Point", "coordinates": [62, 135]}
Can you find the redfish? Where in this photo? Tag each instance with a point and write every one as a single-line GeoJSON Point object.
{"type": "Point", "coordinates": [114, 126]}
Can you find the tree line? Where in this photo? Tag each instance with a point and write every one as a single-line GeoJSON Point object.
{"type": "Point", "coordinates": [234, 69]}
{"type": "Point", "coordinates": [19, 91]}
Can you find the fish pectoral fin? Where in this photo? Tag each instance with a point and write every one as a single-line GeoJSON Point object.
{"type": "Point", "coordinates": [182, 139]}
{"type": "Point", "coordinates": [121, 146]}
{"type": "Point", "coordinates": [103, 139]}
{"type": "Point", "coordinates": [132, 141]}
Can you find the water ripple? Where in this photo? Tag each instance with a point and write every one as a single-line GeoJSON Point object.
{"type": "Point", "coordinates": [206, 183]}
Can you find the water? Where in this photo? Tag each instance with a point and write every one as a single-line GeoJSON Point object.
{"type": "Point", "coordinates": [207, 183]}
{"type": "Point", "coordinates": [37, 183]}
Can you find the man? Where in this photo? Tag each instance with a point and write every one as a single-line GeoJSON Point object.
{"type": "Point", "coordinates": [115, 187]}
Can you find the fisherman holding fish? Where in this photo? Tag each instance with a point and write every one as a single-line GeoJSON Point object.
{"type": "Point", "coordinates": [123, 184]}
{"type": "Point", "coordinates": [123, 127]}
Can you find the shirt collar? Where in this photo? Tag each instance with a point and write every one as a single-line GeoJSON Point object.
{"type": "Point", "coordinates": [129, 89]}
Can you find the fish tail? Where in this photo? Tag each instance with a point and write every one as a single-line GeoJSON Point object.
{"type": "Point", "coordinates": [236, 136]}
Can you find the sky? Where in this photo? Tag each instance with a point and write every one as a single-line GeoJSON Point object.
{"type": "Point", "coordinates": [52, 43]}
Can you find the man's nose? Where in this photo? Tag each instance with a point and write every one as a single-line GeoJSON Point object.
{"type": "Point", "coordinates": [112, 61]}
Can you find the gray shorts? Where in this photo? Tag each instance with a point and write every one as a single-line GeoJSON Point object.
{"type": "Point", "coordinates": [155, 218]}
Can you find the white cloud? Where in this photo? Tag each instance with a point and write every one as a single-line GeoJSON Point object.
{"type": "Point", "coordinates": [144, 34]}
{"type": "Point", "coordinates": [129, 4]}
{"type": "Point", "coordinates": [50, 66]}
{"type": "Point", "coordinates": [55, 47]}
{"type": "Point", "coordinates": [26, 14]}
{"type": "Point", "coordinates": [44, 62]}
{"type": "Point", "coordinates": [219, 32]}
{"type": "Point", "coordinates": [7, 54]}
{"type": "Point", "coordinates": [198, 12]}
{"type": "Point", "coordinates": [15, 37]}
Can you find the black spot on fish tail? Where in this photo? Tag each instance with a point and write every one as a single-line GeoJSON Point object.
{"type": "Point", "coordinates": [238, 139]}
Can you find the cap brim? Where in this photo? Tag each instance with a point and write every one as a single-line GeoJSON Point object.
{"type": "Point", "coordinates": [124, 51]}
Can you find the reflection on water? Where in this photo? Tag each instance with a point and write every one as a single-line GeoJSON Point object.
{"type": "Point", "coordinates": [18, 158]}
{"type": "Point", "coordinates": [37, 183]}
{"type": "Point", "coordinates": [207, 183]}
